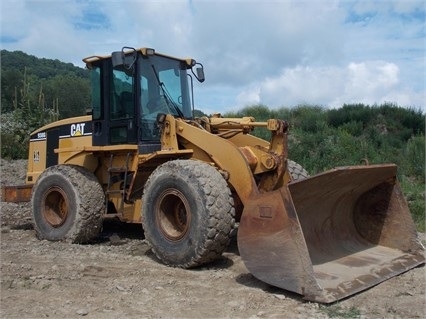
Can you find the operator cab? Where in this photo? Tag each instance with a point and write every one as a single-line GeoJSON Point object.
{"type": "Point", "coordinates": [131, 88]}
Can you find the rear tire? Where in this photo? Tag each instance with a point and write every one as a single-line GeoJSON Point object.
{"type": "Point", "coordinates": [67, 204]}
{"type": "Point", "coordinates": [187, 213]}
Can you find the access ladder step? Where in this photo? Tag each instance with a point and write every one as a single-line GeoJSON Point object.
{"type": "Point", "coordinates": [118, 170]}
{"type": "Point", "coordinates": [115, 191]}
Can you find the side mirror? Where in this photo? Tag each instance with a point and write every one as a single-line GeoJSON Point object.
{"type": "Point", "coordinates": [200, 74]}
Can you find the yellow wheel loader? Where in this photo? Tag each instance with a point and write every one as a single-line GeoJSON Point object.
{"type": "Point", "coordinates": [142, 157]}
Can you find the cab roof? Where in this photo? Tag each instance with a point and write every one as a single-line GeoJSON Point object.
{"type": "Point", "coordinates": [145, 51]}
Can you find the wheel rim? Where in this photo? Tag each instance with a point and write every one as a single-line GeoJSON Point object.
{"type": "Point", "coordinates": [55, 207]}
{"type": "Point", "coordinates": [173, 214]}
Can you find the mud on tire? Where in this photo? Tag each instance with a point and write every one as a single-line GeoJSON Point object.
{"type": "Point", "coordinates": [67, 204]}
{"type": "Point", "coordinates": [187, 213]}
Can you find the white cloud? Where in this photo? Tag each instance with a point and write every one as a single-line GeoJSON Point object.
{"type": "Point", "coordinates": [243, 41]}
{"type": "Point", "coordinates": [303, 84]}
{"type": "Point", "coordinates": [371, 78]}
{"type": "Point", "coordinates": [367, 82]}
{"type": "Point", "coordinates": [250, 95]}
{"type": "Point", "coordinates": [273, 52]}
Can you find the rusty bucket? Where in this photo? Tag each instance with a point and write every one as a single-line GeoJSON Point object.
{"type": "Point", "coordinates": [331, 235]}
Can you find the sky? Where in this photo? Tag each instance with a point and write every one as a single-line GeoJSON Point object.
{"type": "Point", "coordinates": [279, 53]}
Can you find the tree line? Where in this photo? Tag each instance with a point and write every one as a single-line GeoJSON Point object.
{"type": "Point", "coordinates": [321, 138]}
{"type": "Point", "coordinates": [57, 81]}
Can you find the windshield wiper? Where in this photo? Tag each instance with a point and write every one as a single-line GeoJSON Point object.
{"type": "Point", "coordinates": [167, 97]}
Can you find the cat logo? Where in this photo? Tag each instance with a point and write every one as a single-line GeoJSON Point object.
{"type": "Point", "coordinates": [77, 129]}
{"type": "Point", "coordinates": [36, 156]}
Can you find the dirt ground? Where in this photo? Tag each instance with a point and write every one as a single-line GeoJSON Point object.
{"type": "Point", "coordinates": [118, 277]}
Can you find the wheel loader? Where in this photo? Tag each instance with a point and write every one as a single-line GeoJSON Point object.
{"type": "Point", "coordinates": [141, 156]}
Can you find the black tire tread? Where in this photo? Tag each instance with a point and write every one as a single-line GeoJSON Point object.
{"type": "Point", "coordinates": [90, 202]}
{"type": "Point", "coordinates": [220, 207]}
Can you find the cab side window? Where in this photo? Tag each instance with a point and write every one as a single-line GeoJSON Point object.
{"type": "Point", "coordinates": [122, 96]}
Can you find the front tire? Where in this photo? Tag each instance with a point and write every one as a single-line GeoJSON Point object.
{"type": "Point", "coordinates": [67, 204]}
{"type": "Point", "coordinates": [187, 213]}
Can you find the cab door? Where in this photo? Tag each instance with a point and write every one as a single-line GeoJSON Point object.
{"type": "Point", "coordinates": [114, 110]}
{"type": "Point", "coordinates": [122, 110]}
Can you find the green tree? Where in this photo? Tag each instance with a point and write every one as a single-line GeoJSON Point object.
{"type": "Point", "coordinates": [30, 112]}
{"type": "Point", "coordinates": [72, 92]}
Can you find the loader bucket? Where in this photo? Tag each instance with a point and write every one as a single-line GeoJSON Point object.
{"type": "Point", "coordinates": [331, 235]}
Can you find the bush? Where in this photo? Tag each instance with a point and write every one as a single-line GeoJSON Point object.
{"type": "Point", "coordinates": [413, 158]}
{"type": "Point", "coordinates": [14, 133]}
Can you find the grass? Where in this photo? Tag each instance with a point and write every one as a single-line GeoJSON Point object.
{"type": "Point", "coordinates": [336, 311]}
{"type": "Point", "coordinates": [414, 193]}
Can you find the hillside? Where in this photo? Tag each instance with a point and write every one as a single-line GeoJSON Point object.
{"type": "Point", "coordinates": [40, 67]}
{"type": "Point", "coordinates": [27, 77]}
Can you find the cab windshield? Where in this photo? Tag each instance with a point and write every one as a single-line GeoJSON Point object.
{"type": "Point", "coordinates": [164, 87]}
